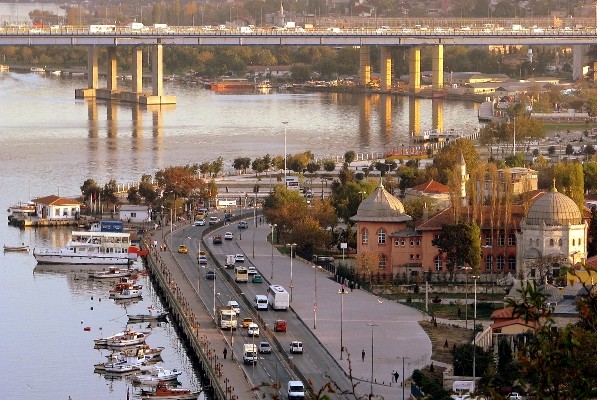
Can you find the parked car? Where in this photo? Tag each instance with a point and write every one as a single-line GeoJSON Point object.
{"type": "Point", "coordinates": [202, 260]}
{"type": "Point", "coordinates": [514, 396]}
{"type": "Point", "coordinates": [253, 330]}
{"type": "Point", "coordinates": [246, 322]}
{"type": "Point", "coordinates": [265, 348]}
{"type": "Point", "coordinates": [234, 305]}
{"type": "Point", "coordinates": [183, 249]}
{"type": "Point", "coordinates": [217, 239]}
{"type": "Point", "coordinates": [251, 270]}
{"type": "Point", "coordinates": [296, 347]}
{"type": "Point", "coordinates": [239, 258]}
{"type": "Point", "coordinates": [211, 275]}
{"type": "Point", "coordinates": [243, 225]}
{"type": "Point", "coordinates": [228, 236]}
{"type": "Point", "coordinates": [280, 325]}
{"type": "Point", "coordinates": [200, 222]}
{"type": "Point", "coordinates": [257, 279]}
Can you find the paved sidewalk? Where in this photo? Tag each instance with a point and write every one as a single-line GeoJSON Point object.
{"type": "Point", "coordinates": [363, 321]}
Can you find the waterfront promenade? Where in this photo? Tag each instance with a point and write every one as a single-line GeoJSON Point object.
{"type": "Point", "coordinates": [387, 332]}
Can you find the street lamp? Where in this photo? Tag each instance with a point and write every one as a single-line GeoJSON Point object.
{"type": "Point", "coordinates": [291, 245]}
{"type": "Point", "coordinates": [466, 269]}
{"type": "Point", "coordinates": [285, 125]}
{"type": "Point", "coordinates": [475, 277]}
{"type": "Point", "coordinates": [272, 239]}
{"type": "Point", "coordinates": [372, 326]}
{"type": "Point", "coordinates": [342, 292]}
{"type": "Point", "coordinates": [315, 267]}
{"type": "Point", "coordinates": [254, 219]}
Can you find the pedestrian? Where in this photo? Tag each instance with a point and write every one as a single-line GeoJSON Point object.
{"type": "Point", "coordinates": [396, 376]}
{"type": "Point", "coordinates": [225, 352]}
{"type": "Point", "coordinates": [363, 355]}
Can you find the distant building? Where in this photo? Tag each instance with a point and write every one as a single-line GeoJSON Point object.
{"type": "Point", "coordinates": [436, 193]}
{"type": "Point", "coordinates": [134, 213]}
{"type": "Point", "coordinates": [55, 208]}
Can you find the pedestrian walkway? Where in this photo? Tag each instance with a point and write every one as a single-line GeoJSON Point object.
{"type": "Point", "coordinates": [231, 375]}
{"type": "Point", "coordinates": [379, 336]}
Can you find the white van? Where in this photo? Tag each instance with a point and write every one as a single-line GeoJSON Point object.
{"type": "Point", "coordinates": [260, 302]}
{"type": "Point", "coordinates": [296, 390]}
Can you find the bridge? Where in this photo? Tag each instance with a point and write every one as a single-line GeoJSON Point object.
{"type": "Point", "coordinates": [385, 37]}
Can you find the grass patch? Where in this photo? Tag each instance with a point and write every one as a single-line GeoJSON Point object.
{"type": "Point", "coordinates": [443, 338]}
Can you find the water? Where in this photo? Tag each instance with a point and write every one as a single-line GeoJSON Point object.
{"type": "Point", "coordinates": [50, 143]}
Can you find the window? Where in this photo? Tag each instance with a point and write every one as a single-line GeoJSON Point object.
{"type": "Point", "coordinates": [438, 262]}
{"type": "Point", "coordinates": [418, 256]}
{"type": "Point", "coordinates": [573, 242]}
{"type": "Point", "coordinates": [501, 239]}
{"type": "Point", "coordinates": [396, 242]}
{"type": "Point", "coordinates": [402, 242]}
{"type": "Point", "coordinates": [531, 242]}
{"type": "Point", "coordinates": [418, 242]}
{"type": "Point", "coordinates": [579, 241]}
{"type": "Point", "coordinates": [382, 261]}
{"type": "Point", "coordinates": [412, 256]}
{"type": "Point", "coordinates": [512, 263]}
{"type": "Point", "coordinates": [560, 242]}
{"type": "Point", "coordinates": [501, 261]}
{"type": "Point", "coordinates": [364, 236]}
{"type": "Point", "coordinates": [551, 242]}
{"type": "Point", "coordinates": [488, 241]}
{"type": "Point", "coordinates": [381, 236]}
{"type": "Point", "coordinates": [412, 242]}
{"type": "Point", "coordinates": [489, 263]}
{"type": "Point", "coordinates": [511, 240]}
{"type": "Point", "coordinates": [56, 212]}
{"type": "Point", "coordinates": [133, 215]}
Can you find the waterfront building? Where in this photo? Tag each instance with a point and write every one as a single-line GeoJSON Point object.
{"type": "Point", "coordinates": [56, 208]}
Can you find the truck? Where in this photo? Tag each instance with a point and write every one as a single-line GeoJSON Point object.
{"type": "Point", "coordinates": [250, 353]}
{"type": "Point", "coordinates": [230, 261]}
{"type": "Point", "coordinates": [245, 29]}
{"type": "Point", "coordinates": [136, 26]}
{"type": "Point", "coordinates": [227, 318]}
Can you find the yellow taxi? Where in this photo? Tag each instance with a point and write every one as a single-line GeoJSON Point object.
{"type": "Point", "coordinates": [183, 249]}
{"type": "Point", "coordinates": [246, 322]}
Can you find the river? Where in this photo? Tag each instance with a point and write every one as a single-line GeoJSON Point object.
{"type": "Point", "coordinates": [50, 143]}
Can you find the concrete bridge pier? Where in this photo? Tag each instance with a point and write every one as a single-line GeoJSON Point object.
{"type": "Point", "coordinates": [386, 70]}
{"type": "Point", "coordinates": [364, 65]}
{"type": "Point", "coordinates": [437, 114]}
{"type": "Point", "coordinates": [414, 69]}
{"type": "Point", "coordinates": [414, 112]}
{"type": "Point", "coordinates": [92, 75]}
{"type": "Point", "coordinates": [437, 68]}
{"type": "Point", "coordinates": [579, 59]}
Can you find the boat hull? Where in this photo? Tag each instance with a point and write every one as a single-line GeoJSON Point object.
{"type": "Point", "coordinates": [59, 258]}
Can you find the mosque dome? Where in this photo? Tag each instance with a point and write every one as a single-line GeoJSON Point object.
{"type": "Point", "coordinates": [381, 206]}
{"type": "Point", "coordinates": [554, 209]}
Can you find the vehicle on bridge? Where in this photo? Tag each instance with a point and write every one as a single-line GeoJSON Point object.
{"type": "Point", "coordinates": [241, 274]}
{"type": "Point", "coordinates": [278, 298]}
{"type": "Point", "coordinates": [227, 318]}
{"type": "Point", "coordinates": [296, 390]}
{"type": "Point", "coordinates": [296, 347]}
{"type": "Point", "coordinates": [250, 353]}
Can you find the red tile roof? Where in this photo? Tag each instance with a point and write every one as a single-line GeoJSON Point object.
{"type": "Point", "coordinates": [56, 201]}
{"type": "Point", "coordinates": [432, 187]}
{"type": "Point", "coordinates": [447, 217]}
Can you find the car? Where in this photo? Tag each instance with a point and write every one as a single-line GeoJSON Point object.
{"type": "Point", "coordinates": [211, 275]}
{"type": "Point", "coordinates": [213, 220]}
{"type": "Point", "coordinates": [280, 325]}
{"type": "Point", "coordinates": [253, 330]}
{"type": "Point", "coordinates": [202, 260]}
{"type": "Point", "coordinates": [239, 258]}
{"type": "Point", "coordinates": [257, 279]}
{"type": "Point", "coordinates": [296, 347]}
{"type": "Point", "coordinates": [243, 225]}
{"type": "Point", "coordinates": [200, 222]}
{"type": "Point", "coordinates": [251, 270]}
{"type": "Point", "coordinates": [234, 305]}
{"type": "Point", "coordinates": [265, 348]}
{"type": "Point", "coordinates": [217, 239]}
{"type": "Point", "coordinates": [514, 396]}
{"type": "Point", "coordinates": [228, 236]}
{"type": "Point", "coordinates": [183, 249]}
{"type": "Point", "coordinates": [246, 322]}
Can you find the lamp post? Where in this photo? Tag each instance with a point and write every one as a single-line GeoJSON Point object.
{"type": "Point", "coordinates": [466, 269]}
{"type": "Point", "coordinates": [285, 125]}
{"type": "Point", "coordinates": [272, 239]}
{"type": "Point", "coordinates": [341, 292]}
{"type": "Point", "coordinates": [372, 325]}
{"type": "Point", "coordinates": [291, 245]}
{"type": "Point", "coordinates": [475, 277]}
{"type": "Point", "coordinates": [315, 267]}
{"type": "Point", "coordinates": [322, 181]}
{"type": "Point", "coordinates": [254, 219]}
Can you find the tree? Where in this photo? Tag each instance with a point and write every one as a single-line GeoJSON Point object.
{"type": "Point", "coordinates": [592, 234]}
{"type": "Point", "coordinates": [284, 208]}
{"type": "Point", "coordinates": [89, 188]}
{"type": "Point", "coordinates": [241, 164]}
{"type": "Point", "coordinates": [449, 156]}
{"type": "Point", "coordinates": [350, 156]}
{"type": "Point", "coordinates": [260, 165]}
{"type": "Point", "coordinates": [313, 167]}
{"type": "Point", "coordinates": [147, 190]}
{"type": "Point", "coordinates": [179, 181]}
{"type": "Point", "coordinates": [454, 241]}
{"type": "Point", "coordinates": [329, 165]}
{"type": "Point", "coordinates": [462, 360]}
{"type": "Point", "coordinates": [347, 198]}
{"type": "Point", "coordinates": [570, 181]}
{"type": "Point", "coordinates": [474, 256]}
{"type": "Point", "coordinates": [133, 195]}
{"type": "Point", "coordinates": [109, 192]}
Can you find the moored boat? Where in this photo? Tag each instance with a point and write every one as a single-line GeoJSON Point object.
{"type": "Point", "coordinates": [124, 283]}
{"type": "Point", "coordinates": [16, 248]}
{"type": "Point", "coordinates": [155, 375]}
{"type": "Point", "coordinates": [21, 210]}
{"type": "Point", "coordinates": [151, 315]}
{"type": "Point", "coordinates": [224, 84]}
{"type": "Point", "coordinates": [90, 248]}
{"type": "Point", "coordinates": [111, 273]}
{"type": "Point", "coordinates": [266, 84]}
{"type": "Point", "coordinates": [127, 294]}
{"type": "Point", "coordinates": [129, 337]}
{"type": "Point", "coordinates": [163, 391]}
{"type": "Point", "coordinates": [38, 70]}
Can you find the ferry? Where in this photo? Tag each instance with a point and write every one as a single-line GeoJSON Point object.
{"type": "Point", "coordinates": [224, 84]}
{"type": "Point", "coordinates": [102, 248]}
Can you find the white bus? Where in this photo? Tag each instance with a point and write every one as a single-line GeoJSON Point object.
{"type": "Point", "coordinates": [278, 297]}
{"type": "Point", "coordinates": [292, 183]}
{"type": "Point", "coordinates": [241, 274]}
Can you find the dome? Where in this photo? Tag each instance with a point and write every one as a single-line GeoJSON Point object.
{"type": "Point", "coordinates": [554, 209]}
{"type": "Point", "coordinates": [381, 206]}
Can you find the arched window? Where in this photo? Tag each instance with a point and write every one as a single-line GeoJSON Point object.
{"type": "Point", "coordinates": [579, 241]}
{"type": "Point", "coordinates": [382, 261]}
{"type": "Point", "coordinates": [500, 262]}
{"type": "Point", "coordinates": [531, 242]}
{"type": "Point", "coordinates": [537, 242]}
{"type": "Point", "coordinates": [364, 236]}
{"type": "Point", "coordinates": [381, 236]}
{"type": "Point", "coordinates": [560, 242]}
{"type": "Point", "coordinates": [551, 242]}
{"type": "Point", "coordinates": [573, 242]}
{"type": "Point", "coordinates": [438, 263]}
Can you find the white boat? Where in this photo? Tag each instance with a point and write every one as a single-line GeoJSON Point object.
{"type": "Point", "coordinates": [166, 392]}
{"type": "Point", "coordinates": [56, 72]}
{"type": "Point", "coordinates": [264, 85]}
{"type": "Point", "coordinates": [121, 363]}
{"type": "Point", "coordinates": [38, 70]}
{"type": "Point", "coordinates": [126, 338]}
{"type": "Point", "coordinates": [16, 248]}
{"type": "Point", "coordinates": [21, 210]}
{"type": "Point", "coordinates": [90, 248]}
{"type": "Point", "coordinates": [127, 294]}
{"type": "Point", "coordinates": [156, 375]}
{"type": "Point", "coordinates": [112, 272]}
{"type": "Point", "coordinates": [150, 354]}
{"type": "Point", "coordinates": [151, 315]}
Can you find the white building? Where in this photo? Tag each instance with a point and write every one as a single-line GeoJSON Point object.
{"type": "Point", "coordinates": [133, 213]}
{"type": "Point", "coordinates": [54, 208]}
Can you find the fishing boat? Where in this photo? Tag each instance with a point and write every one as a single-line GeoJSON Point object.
{"type": "Point", "coordinates": [38, 70]}
{"type": "Point", "coordinates": [124, 283]}
{"type": "Point", "coordinates": [21, 210]}
{"type": "Point", "coordinates": [163, 391]}
{"type": "Point", "coordinates": [127, 294]}
{"type": "Point", "coordinates": [151, 315]}
{"type": "Point", "coordinates": [21, 248]}
{"type": "Point", "coordinates": [234, 84]}
{"type": "Point", "coordinates": [155, 375]}
{"type": "Point", "coordinates": [111, 273]}
{"type": "Point", "coordinates": [90, 248]}
{"type": "Point", "coordinates": [128, 337]}
{"type": "Point", "coordinates": [121, 363]}
{"type": "Point", "coordinates": [150, 354]}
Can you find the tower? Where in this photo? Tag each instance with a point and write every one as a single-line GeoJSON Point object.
{"type": "Point", "coordinates": [464, 177]}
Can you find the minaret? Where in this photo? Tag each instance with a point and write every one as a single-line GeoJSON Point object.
{"type": "Point", "coordinates": [464, 177]}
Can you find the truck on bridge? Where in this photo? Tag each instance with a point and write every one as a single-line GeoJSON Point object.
{"type": "Point", "coordinates": [226, 318]}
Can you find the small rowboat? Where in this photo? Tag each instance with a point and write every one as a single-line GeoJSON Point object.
{"type": "Point", "coordinates": [16, 248]}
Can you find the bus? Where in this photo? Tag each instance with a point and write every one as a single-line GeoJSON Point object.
{"type": "Point", "coordinates": [292, 183]}
{"type": "Point", "coordinates": [278, 297]}
{"type": "Point", "coordinates": [241, 274]}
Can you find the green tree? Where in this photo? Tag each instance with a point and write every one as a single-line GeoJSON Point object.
{"type": "Point", "coordinates": [133, 195]}
{"type": "Point", "coordinates": [147, 190]}
{"type": "Point", "coordinates": [350, 156]}
{"type": "Point", "coordinates": [89, 188]}
{"type": "Point", "coordinates": [570, 181]}
{"type": "Point", "coordinates": [474, 256]}
{"type": "Point", "coordinates": [241, 164]}
{"type": "Point", "coordinates": [447, 159]}
{"type": "Point", "coordinates": [462, 360]}
{"type": "Point", "coordinates": [454, 241]}
{"type": "Point", "coordinates": [329, 165]}
{"type": "Point", "coordinates": [109, 192]}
